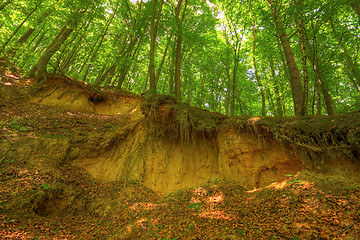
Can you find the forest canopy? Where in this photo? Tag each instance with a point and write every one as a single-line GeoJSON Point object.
{"type": "Point", "coordinates": [269, 57]}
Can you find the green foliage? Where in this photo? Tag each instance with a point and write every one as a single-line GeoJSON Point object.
{"type": "Point", "coordinates": [110, 43]}
{"type": "Point", "coordinates": [195, 206]}
{"type": "Point", "coordinates": [45, 186]}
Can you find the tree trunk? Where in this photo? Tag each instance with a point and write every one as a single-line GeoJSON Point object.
{"type": "Point", "coordinates": [256, 73]}
{"type": "Point", "coordinates": [40, 66]}
{"type": "Point", "coordinates": [321, 81]}
{"type": "Point", "coordinates": [295, 79]}
{"type": "Point", "coordinates": [179, 21]}
{"type": "Point", "coordinates": [329, 103]}
{"type": "Point", "coordinates": [153, 33]}
{"type": "Point", "coordinates": [228, 82]}
{"type": "Point", "coordinates": [157, 75]}
{"type": "Point", "coordinates": [171, 70]}
{"type": "Point", "coordinates": [351, 64]}
{"type": "Point", "coordinates": [356, 7]}
{"type": "Point", "coordinates": [46, 56]}
{"type": "Point", "coordinates": [99, 45]}
{"type": "Point", "coordinates": [21, 24]}
{"type": "Point", "coordinates": [302, 38]}
{"type": "Point", "coordinates": [279, 104]}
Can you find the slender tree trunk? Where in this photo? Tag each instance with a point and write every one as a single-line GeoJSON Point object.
{"type": "Point", "coordinates": [179, 21]}
{"type": "Point", "coordinates": [64, 64]}
{"type": "Point", "coordinates": [279, 104]}
{"type": "Point", "coordinates": [228, 82]}
{"type": "Point", "coordinates": [99, 45]}
{"type": "Point", "coordinates": [131, 55]}
{"type": "Point", "coordinates": [351, 64]}
{"type": "Point", "coordinates": [45, 58]}
{"type": "Point", "coordinates": [257, 74]}
{"type": "Point", "coordinates": [295, 79]}
{"type": "Point", "coordinates": [321, 81]}
{"type": "Point", "coordinates": [318, 100]}
{"type": "Point", "coordinates": [34, 49]}
{"type": "Point", "coordinates": [152, 47]}
{"type": "Point", "coordinates": [40, 67]}
{"type": "Point", "coordinates": [153, 33]}
{"type": "Point", "coordinates": [302, 38]}
{"type": "Point", "coordinates": [21, 24]}
{"type": "Point", "coordinates": [172, 70]}
{"type": "Point", "coordinates": [178, 66]}
{"type": "Point", "coordinates": [356, 7]}
{"type": "Point", "coordinates": [157, 76]}
{"type": "Point", "coordinates": [14, 48]}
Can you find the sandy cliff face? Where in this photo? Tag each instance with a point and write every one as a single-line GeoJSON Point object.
{"type": "Point", "coordinates": [168, 145]}
{"type": "Point", "coordinates": [168, 164]}
{"type": "Point", "coordinates": [254, 161]}
{"type": "Point", "coordinates": [165, 159]}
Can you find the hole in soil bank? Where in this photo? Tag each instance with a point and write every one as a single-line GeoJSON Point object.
{"type": "Point", "coordinates": [96, 99]}
{"type": "Point", "coordinates": [267, 176]}
{"type": "Point", "coordinates": [52, 206]}
{"type": "Point", "coordinates": [55, 201]}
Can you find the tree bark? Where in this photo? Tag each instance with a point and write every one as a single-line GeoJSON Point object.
{"type": "Point", "coordinates": [157, 75]}
{"type": "Point", "coordinates": [295, 79]}
{"type": "Point", "coordinates": [321, 81]}
{"type": "Point", "coordinates": [172, 69]}
{"type": "Point", "coordinates": [21, 24]}
{"type": "Point", "coordinates": [155, 19]}
{"type": "Point", "coordinates": [257, 74]}
{"type": "Point", "coordinates": [279, 104]}
{"type": "Point", "coordinates": [99, 44]}
{"type": "Point", "coordinates": [356, 7]}
{"type": "Point", "coordinates": [302, 38]}
{"type": "Point", "coordinates": [351, 64]}
{"type": "Point", "coordinates": [179, 20]}
{"type": "Point", "coordinates": [39, 69]}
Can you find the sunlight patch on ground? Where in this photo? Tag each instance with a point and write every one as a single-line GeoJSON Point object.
{"type": "Point", "coordinates": [215, 214]}
{"type": "Point", "coordinates": [209, 204]}
{"type": "Point", "coordinates": [144, 205]}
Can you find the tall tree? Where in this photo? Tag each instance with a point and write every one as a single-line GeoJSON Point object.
{"type": "Point", "coordinates": [295, 79]}
{"type": "Point", "coordinates": [257, 77]}
{"type": "Point", "coordinates": [21, 24]}
{"type": "Point", "coordinates": [155, 19]}
{"type": "Point", "coordinates": [180, 11]}
{"type": "Point", "coordinates": [39, 69]}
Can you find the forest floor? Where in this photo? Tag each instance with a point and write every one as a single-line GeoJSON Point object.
{"type": "Point", "coordinates": [33, 196]}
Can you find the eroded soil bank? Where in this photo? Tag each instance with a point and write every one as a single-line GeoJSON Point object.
{"type": "Point", "coordinates": [151, 167]}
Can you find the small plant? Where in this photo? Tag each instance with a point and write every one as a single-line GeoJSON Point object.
{"type": "Point", "coordinates": [294, 181]}
{"type": "Point", "coordinates": [46, 186]}
{"type": "Point", "coordinates": [108, 127]}
{"type": "Point", "coordinates": [24, 129]}
{"type": "Point", "coordinates": [241, 231]}
{"type": "Point", "coordinates": [195, 206]}
{"type": "Point", "coordinates": [9, 161]}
